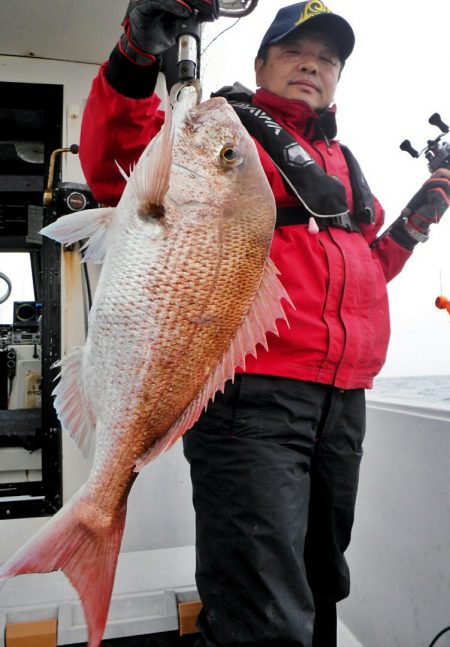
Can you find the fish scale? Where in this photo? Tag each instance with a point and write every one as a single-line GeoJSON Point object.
{"type": "Point", "coordinates": [186, 291]}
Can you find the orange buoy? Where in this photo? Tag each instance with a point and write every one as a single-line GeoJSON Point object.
{"type": "Point", "coordinates": [443, 303]}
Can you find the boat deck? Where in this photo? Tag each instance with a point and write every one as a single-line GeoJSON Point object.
{"type": "Point", "coordinates": [399, 554]}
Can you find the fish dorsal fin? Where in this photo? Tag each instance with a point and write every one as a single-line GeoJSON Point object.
{"type": "Point", "coordinates": [90, 224]}
{"type": "Point", "coordinates": [261, 319]}
{"type": "Point", "coordinates": [72, 405]}
{"type": "Point", "coordinates": [151, 176]}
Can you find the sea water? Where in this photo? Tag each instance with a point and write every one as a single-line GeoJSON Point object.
{"type": "Point", "coordinates": [418, 390]}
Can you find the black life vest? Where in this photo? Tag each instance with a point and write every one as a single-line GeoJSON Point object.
{"type": "Point", "coordinates": [319, 194]}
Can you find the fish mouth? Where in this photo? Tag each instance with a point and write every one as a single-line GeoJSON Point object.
{"type": "Point", "coordinates": [204, 111]}
{"type": "Point", "coordinates": [211, 104]}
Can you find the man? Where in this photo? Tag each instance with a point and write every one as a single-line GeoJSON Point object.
{"type": "Point", "coordinates": [275, 459]}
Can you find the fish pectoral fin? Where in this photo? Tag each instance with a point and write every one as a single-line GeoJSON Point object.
{"type": "Point", "coordinates": [151, 176]}
{"type": "Point", "coordinates": [265, 309]}
{"type": "Point", "coordinates": [72, 405]}
{"type": "Point", "coordinates": [91, 225]}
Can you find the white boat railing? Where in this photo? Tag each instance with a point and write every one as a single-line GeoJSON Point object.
{"type": "Point", "coordinates": [400, 550]}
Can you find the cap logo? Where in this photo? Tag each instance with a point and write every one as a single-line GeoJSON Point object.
{"type": "Point", "coordinates": [312, 8]}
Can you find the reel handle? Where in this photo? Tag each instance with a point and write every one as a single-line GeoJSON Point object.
{"type": "Point", "coordinates": [435, 120]}
{"type": "Point", "coordinates": [406, 146]}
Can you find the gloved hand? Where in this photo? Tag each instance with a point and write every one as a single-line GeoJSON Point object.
{"type": "Point", "coordinates": [428, 205]}
{"type": "Point", "coordinates": [150, 25]}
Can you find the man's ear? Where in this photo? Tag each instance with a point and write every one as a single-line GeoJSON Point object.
{"type": "Point", "coordinates": [259, 63]}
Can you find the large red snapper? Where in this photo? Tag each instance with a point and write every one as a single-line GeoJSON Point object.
{"type": "Point", "coordinates": [187, 289]}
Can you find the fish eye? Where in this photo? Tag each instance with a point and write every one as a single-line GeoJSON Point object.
{"type": "Point", "coordinates": [230, 155]}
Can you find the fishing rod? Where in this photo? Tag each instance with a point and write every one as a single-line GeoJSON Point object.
{"type": "Point", "coordinates": [181, 64]}
{"type": "Point", "coordinates": [437, 153]}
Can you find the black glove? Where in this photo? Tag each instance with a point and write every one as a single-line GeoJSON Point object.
{"type": "Point", "coordinates": [427, 207]}
{"type": "Point", "coordinates": [150, 25]}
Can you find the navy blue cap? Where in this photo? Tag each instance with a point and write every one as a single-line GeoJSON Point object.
{"type": "Point", "coordinates": [313, 13]}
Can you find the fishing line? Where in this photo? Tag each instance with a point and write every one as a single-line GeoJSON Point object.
{"type": "Point", "coordinates": [219, 35]}
{"type": "Point", "coordinates": [441, 286]}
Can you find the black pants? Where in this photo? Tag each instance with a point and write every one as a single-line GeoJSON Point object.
{"type": "Point", "coordinates": [274, 467]}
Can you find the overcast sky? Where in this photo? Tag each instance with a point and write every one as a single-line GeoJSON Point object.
{"type": "Point", "coordinates": [397, 76]}
{"type": "Point", "coordinates": [395, 79]}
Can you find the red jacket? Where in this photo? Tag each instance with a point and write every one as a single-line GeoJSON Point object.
{"type": "Point", "coordinates": [339, 331]}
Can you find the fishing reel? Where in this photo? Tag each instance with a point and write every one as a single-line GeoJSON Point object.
{"type": "Point", "coordinates": [436, 151]}
{"type": "Point", "coordinates": [236, 8]}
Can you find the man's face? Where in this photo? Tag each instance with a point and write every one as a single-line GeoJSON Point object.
{"type": "Point", "coordinates": [306, 67]}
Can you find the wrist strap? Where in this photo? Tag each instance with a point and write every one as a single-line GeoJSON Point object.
{"type": "Point", "coordinates": [419, 236]}
{"type": "Point", "coordinates": [128, 78]}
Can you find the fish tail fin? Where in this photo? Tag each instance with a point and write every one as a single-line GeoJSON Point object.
{"type": "Point", "coordinates": [82, 542]}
